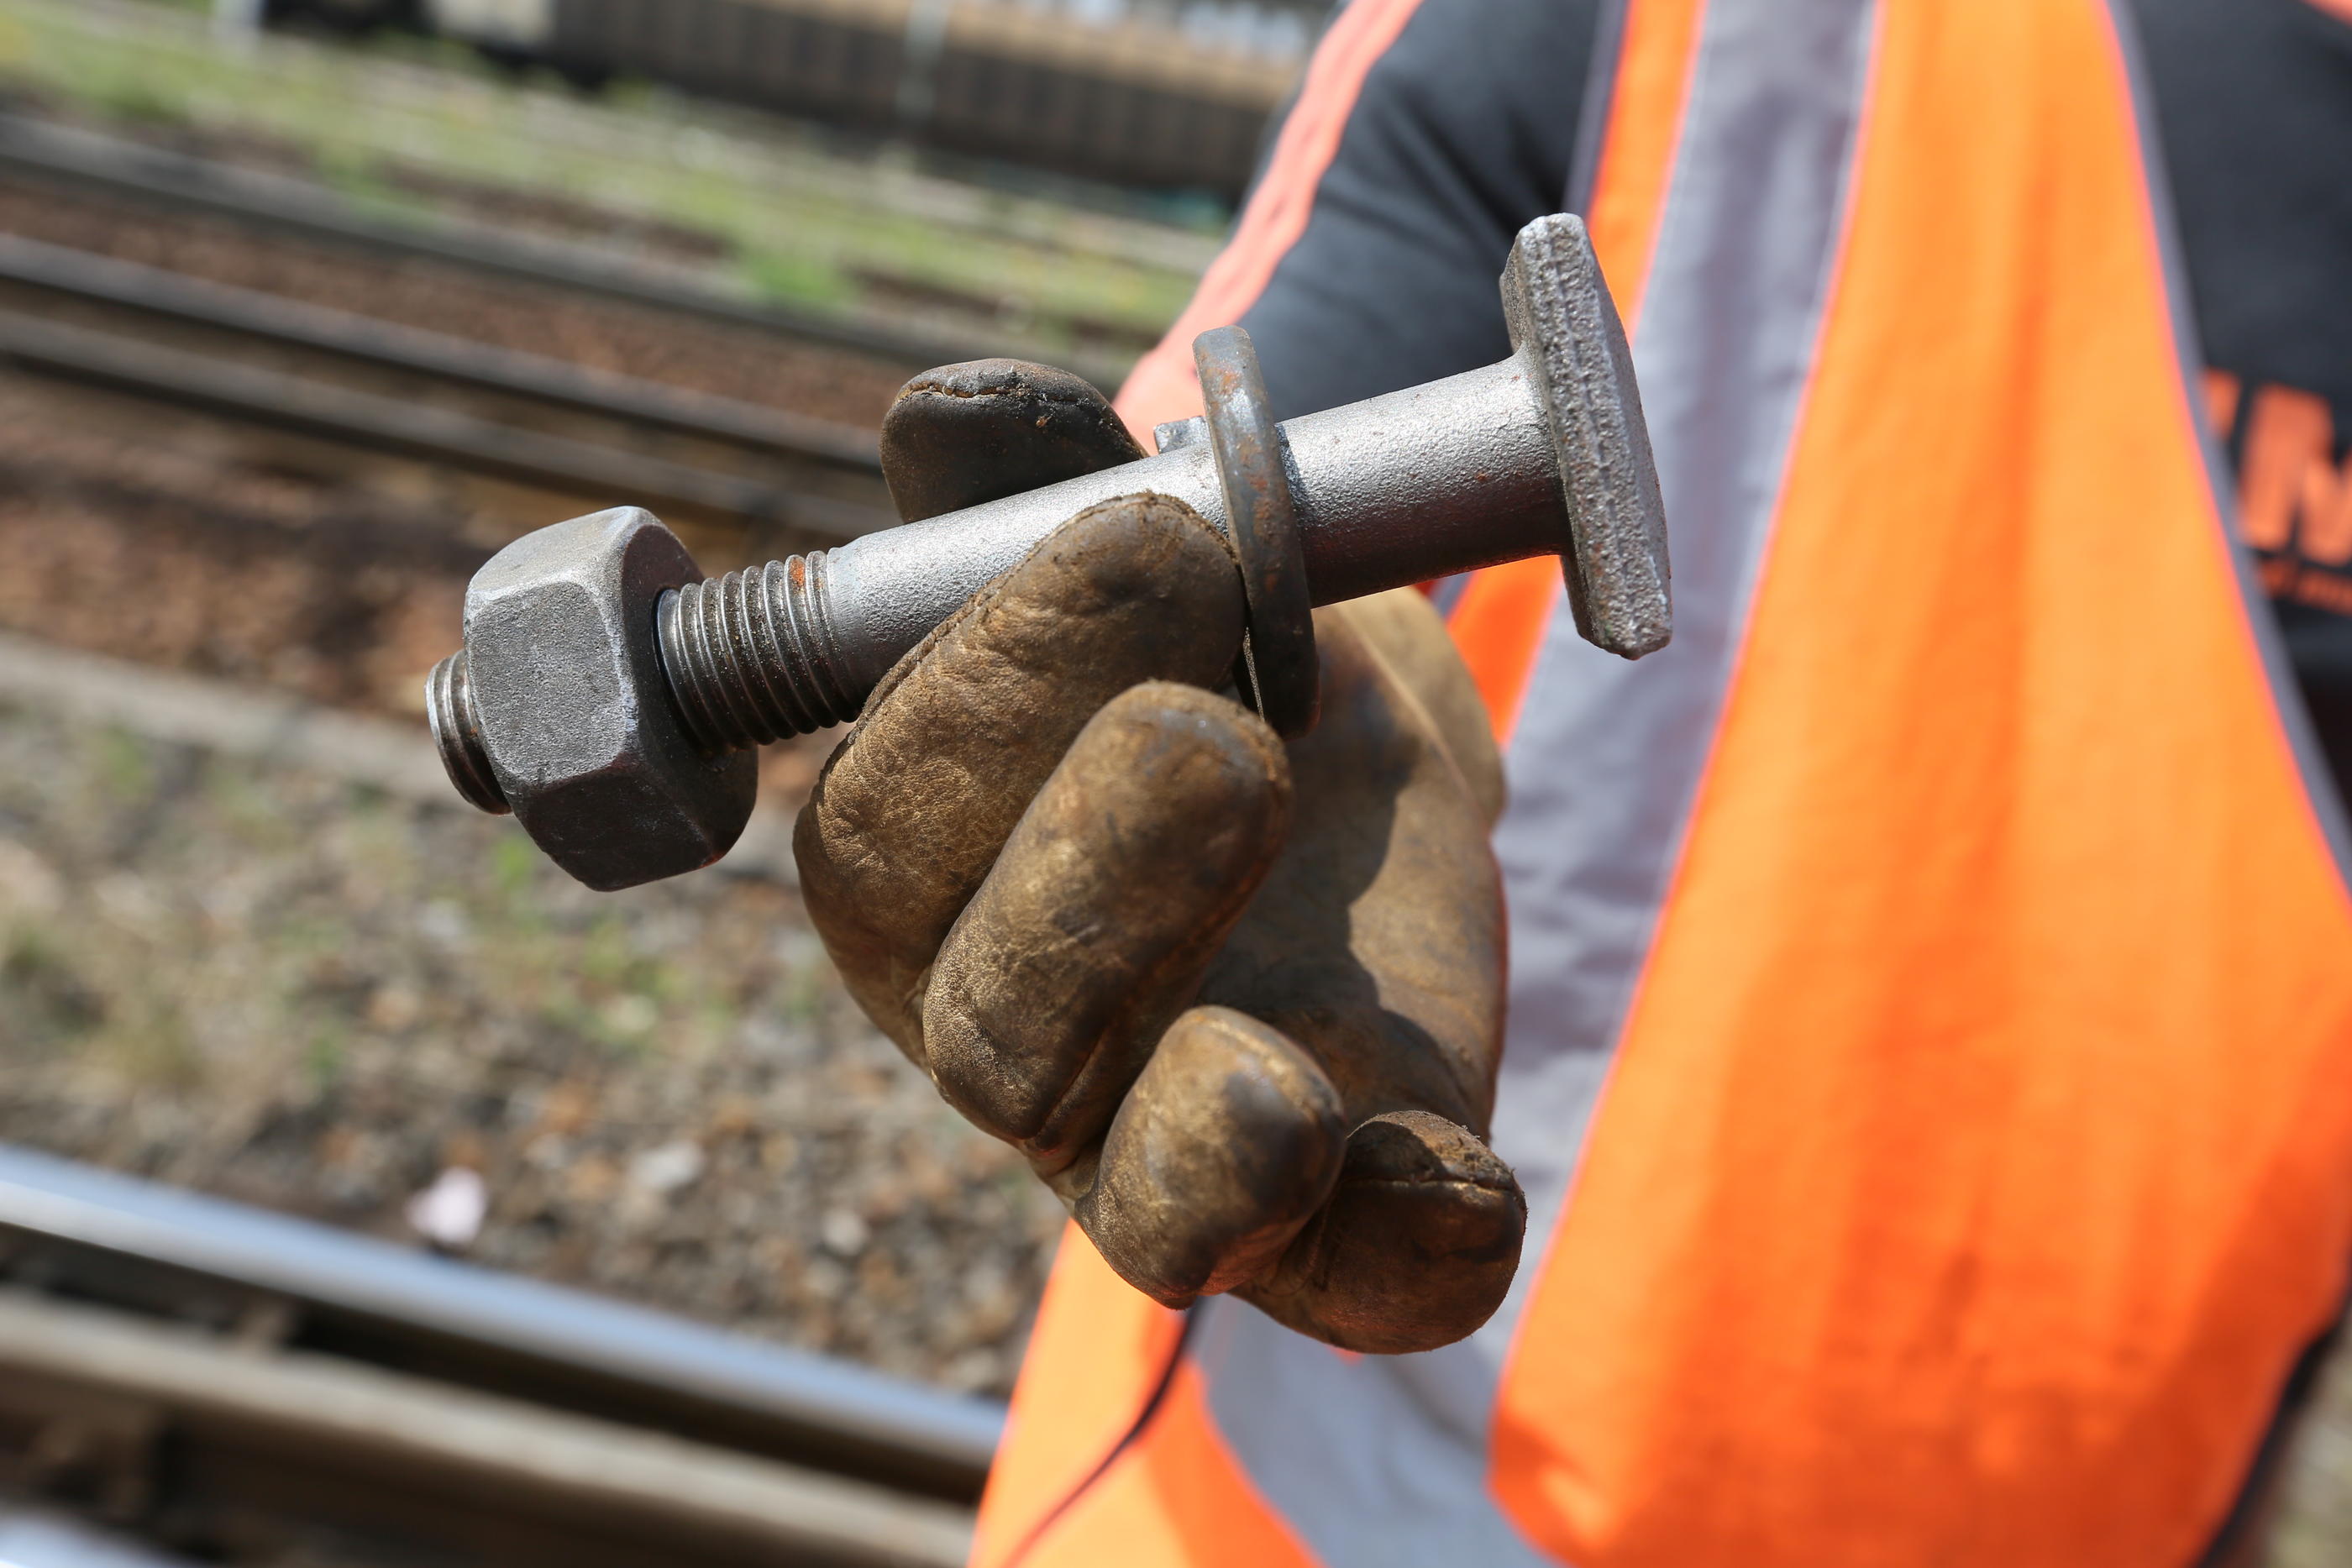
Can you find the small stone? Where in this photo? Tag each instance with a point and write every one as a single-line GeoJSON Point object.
{"type": "Point", "coordinates": [667, 1167]}
{"type": "Point", "coordinates": [592, 1180]}
{"type": "Point", "coordinates": [843, 1232]}
{"type": "Point", "coordinates": [441, 921]}
{"type": "Point", "coordinates": [450, 1213]}
{"type": "Point", "coordinates": [28, 884]}
{"type": "Point", "coordinates": [394, 1008]}
{"type": "Point", "coordinates": [973, 1370]}
{"type": "Point", "coordinates": [631, 1014]}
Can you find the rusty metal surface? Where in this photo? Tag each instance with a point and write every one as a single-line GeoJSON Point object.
{"type": "Point", "coordinates": [750, 658]}
{"type": "Point", "coordinates": [1279, 653]}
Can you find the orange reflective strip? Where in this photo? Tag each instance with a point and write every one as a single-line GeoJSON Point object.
{"type": "Point", "coordinates": [1097, 1352]}
{"type": "Point", "coordinates": [1656, 52]}
{"type": "Point", "coordinates": [2287, 435]}
{"type": "Point", "coordinates": [1498, 626]}
{"type": "Point", "coordinates": [1175, 1500]}
{"type": "Point", "coordinates": [1498, 622]}
{"type": "Point", "coordinates": [2328, 512]}
{"type": "Point", "coordinates": [2294, 493]}
{"type": "Point", "coordinates": [2222, 390]}
{"type": "Point", "coordinates": [1164, 385]}
{"type": "Point", "coordinates": [1978, 1154]}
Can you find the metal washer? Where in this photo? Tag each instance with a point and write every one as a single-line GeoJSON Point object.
{"type": "Point", "coordinates": [1278, 670]}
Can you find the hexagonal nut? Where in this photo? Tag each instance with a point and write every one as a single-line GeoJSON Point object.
{"type": "Point", "coordinates": [574, 712]}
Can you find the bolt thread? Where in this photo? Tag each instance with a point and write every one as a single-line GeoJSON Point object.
{"type": "Point", "coordinates": [457, 732]}
{"type": "Point", "coordinates": [750, 656]}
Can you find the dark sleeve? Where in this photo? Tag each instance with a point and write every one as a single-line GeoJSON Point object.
{"type": "Point", "coordinates": [2255, 109]}
{"type": "Point", "coordinates": [2254, 102]}
{"type": "Point", "coordinates": [1463, 131]}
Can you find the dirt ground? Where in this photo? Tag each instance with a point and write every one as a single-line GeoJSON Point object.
{"type": "Point", "coordinates": [310, 995]}
{"type": "Point", "coordinates": [278, 986]}
{"type": "Point", "coordinates": [281, 986]}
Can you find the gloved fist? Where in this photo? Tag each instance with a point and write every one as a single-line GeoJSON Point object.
{"type": "Point", "coordinates": [1238, 1002]}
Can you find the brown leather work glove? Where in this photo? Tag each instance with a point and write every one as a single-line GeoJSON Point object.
{"type": "Point", "coordinates": [1239, 1003]}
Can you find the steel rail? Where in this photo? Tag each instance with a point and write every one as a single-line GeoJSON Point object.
{"type": "Point", "coordinates": [76, 159]}
{"type": "Point", "coordinates": [205, 1423]}
{"type": "Point", "coordinates": [314, 408]}
{"type": "Point", "coordinates": [287, 323]}
{"type": "Point", "coordinates": [120, 1241]}
{"type": "Point", "coordinates": [43, 1538]}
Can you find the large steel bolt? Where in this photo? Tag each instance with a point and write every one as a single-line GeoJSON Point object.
{"type": "Point", "coordinates": [1543, 454]}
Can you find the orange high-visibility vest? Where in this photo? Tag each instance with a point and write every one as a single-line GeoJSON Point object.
{"type": "Point", "coordinates": [1930, 1053]}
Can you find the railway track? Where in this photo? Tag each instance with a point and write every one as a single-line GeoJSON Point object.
{"type": "Point", "coordinates": [245, 1387]}
{"type": "Point", "coordinates": [175, 297]}
{"type": "Point", "coordinates": [237, 1387]}
{"type": "Point", "coordinates": [734, 462]}
{"type": "Point", "coordinates": [69, 158]}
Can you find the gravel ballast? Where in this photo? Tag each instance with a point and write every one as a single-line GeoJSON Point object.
{"type": "Point", "coordinates": [273, 984]}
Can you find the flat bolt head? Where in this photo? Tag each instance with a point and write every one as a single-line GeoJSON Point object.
{"type": "Point", "coordinates": [574, 714]}
{"type": "Point", "coordinates": [1565, 328]}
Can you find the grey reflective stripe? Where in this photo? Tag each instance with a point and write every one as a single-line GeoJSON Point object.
{"type": "Point", "coordinates": [1383, 1462]}
{"type": "Point", "coordinates": [1607, 755]}
{"type": "Point", "coordinates": [1374, 1461]}
{"type": "Point", "coordinates": [2319, 780]}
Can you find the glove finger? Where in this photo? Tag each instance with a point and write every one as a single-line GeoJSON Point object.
{"type": "Point", "coordinates": [965, 434]}
{"type": "Point", "coordinates": [1229, 1142]}
{"type": "Point", "coordinates": [1110, 899]}
{"type": "Point", "coordinates": [911, 809]}
{"type": "Point", "coordinates": [1414, 1249]}
{"type": "Point", "coordinates": [1389, 874]}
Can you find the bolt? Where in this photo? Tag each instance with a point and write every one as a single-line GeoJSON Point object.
{"type": "Point", "coordinates": [750, 658]}
{"type": "Point", "coordinates": [1543, 453]}
{"type": "Point", "coordinates": [458, 731]}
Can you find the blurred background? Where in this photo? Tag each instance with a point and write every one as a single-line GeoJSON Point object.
{"type": "Point", "coordinates": [305, 308]}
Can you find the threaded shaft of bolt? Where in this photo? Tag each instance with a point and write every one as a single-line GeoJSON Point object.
{"type": "Point", "coordinates": [750, 657]}
{"type": "Point", "coordinates": [457, 732]}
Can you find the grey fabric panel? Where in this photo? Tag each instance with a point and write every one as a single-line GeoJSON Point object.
{"type": "Point", "coordinates": [1607, 754]}
{"type": "Point", "coordinates": [1383, 1461]}
{"type": "Point", "coordinates": [1377, 1461]}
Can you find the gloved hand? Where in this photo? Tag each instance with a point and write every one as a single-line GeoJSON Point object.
{"type": "Point", "coordinates": [1239, 1003]}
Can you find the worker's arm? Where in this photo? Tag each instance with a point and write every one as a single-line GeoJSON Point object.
{"type": "Point", "coordinates": [1427, 134]}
